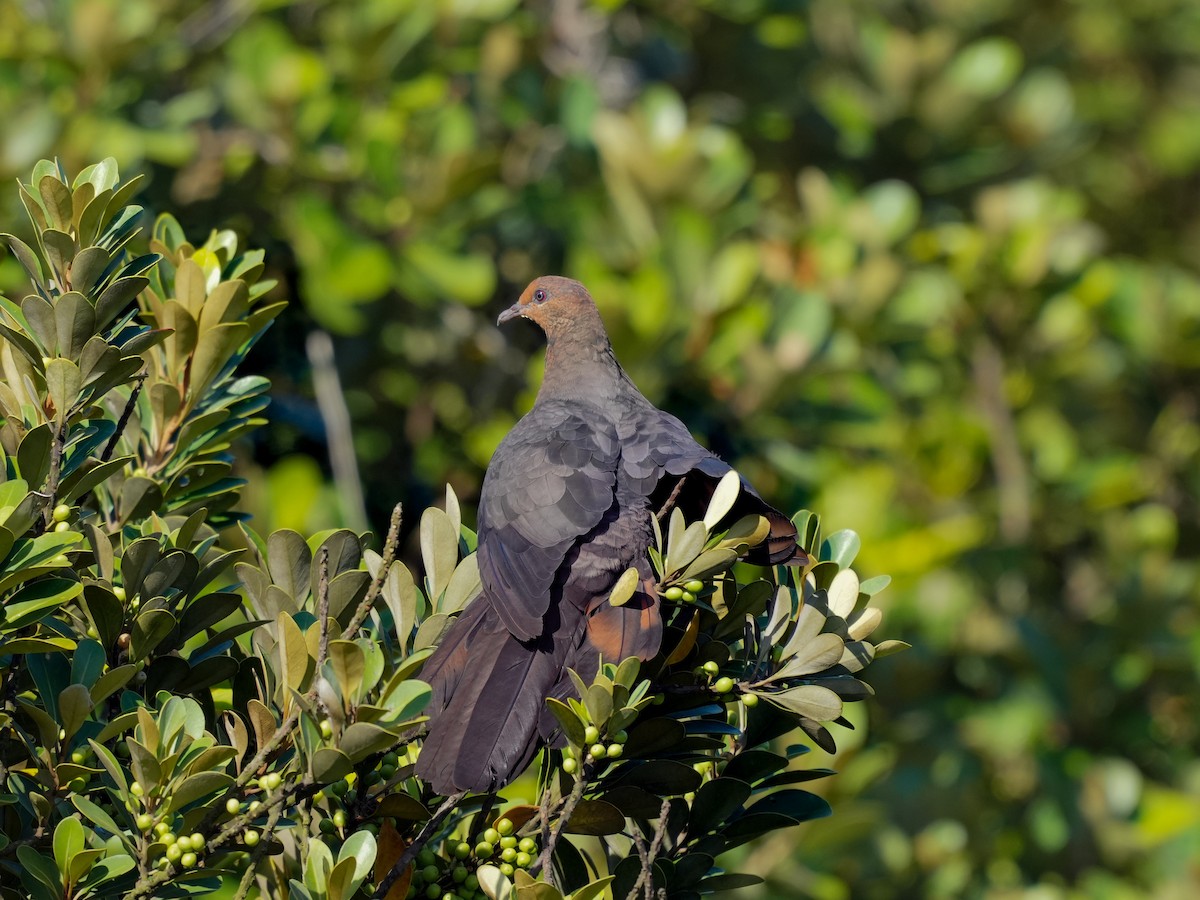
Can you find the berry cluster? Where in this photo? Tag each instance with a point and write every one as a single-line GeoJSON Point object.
{"type": "Point", "coordinates": [452, 875]}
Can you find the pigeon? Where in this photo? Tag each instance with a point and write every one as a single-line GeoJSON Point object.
{"type": "Point", "coordinates": [565, 510]}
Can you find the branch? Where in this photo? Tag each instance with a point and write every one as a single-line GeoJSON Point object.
{"type": "Point", "coordinates": [418, 843]}
{"type": "Point", "coordinates": [645, 879]}
{"type": "Point", "coordinates": [247, 881]}
{"type": "Point", "coordinates": [544, 861]}
{"type": "Point", "coordinates": [666, 507]}
{"type": "Point", "coordinates": [130, 405]}
{"type": "Point", "coordinates": [332, 404]}
{"type": "Point", "coordinates": [391, 544]}
{"type": "Point", "coordinates": [323, 605]}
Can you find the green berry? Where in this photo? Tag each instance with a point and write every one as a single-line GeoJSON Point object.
{"type": "Point", "coordinates": [60, 527]}
{"type": "Point", "coordinates": [61, 513]}
{"type": "Point", "coordinates": [250, 838]}
{"type": "Point", "coordinates": [614, 751]}
{"type": "Point", "coordinates": [711, 667]}
{"type": "Point", "coordinates": [570, 766]}
{"type": "Point", "coordinates": [504, 826]}
{"type": "Point", "coordinates": [59, 561]}
{"type": "Point", "coordinates": [430, 873]}
{"type": "Point", "coordinates": [689, 597]}
{"type": "Point", "coordinates": [187, 860]}
{"type": "Point", "coordinates": [119, 593]}
{"type": "Point", "coordinates": [492, 836]}
{"type": "Point", "coordinates": [523, 860]}
{"type": "Point", "coordinates": [339, 818]}
{"type": "Point", "coordinates": [327, 826]}
{"type": "Point", "coordinates": [184, 842]}
{"type": "Point", "coordinates": [459, 874]}
{"type": "Point", "coordinates": [621, 737]}
{"type": "Point", "coordinates": [506, 870]}
{"type": "Point", "coordinates": [673, 593]}
{"type": "Point", "coordinates": [433, 891]}
{"type": "Point", "coordinates": [426, 857]}
{"type": "Point", "coordinates": [169, 838]}
{"type": "Point", "coordinates": [326, 728]}
{"type": "Point", "coordinates": [78, 785]}
{"type": "Point", "coordinates": [723, 685]}
{"type": "Point", "coordinates": [136, 789]}
{"type": "Point", "coordinates": [174, 851]}
{"type": "Point", "coordinates": [462, 851]}
{"type": "Point", "coordinates": [508, 841]}
{"type": "Point", "coordinates": [254, 807]}
{"type": "Point", "coordinates": [508, 854]}
{"type": "Point", "coordinates": [161, 828]}
{"type": "Point", "coordinates": [598, 751]}
{"type": "Point", "coordinates": [484, 849]}
{"type": "Point", "coordinates": [694, 586]}
{"type": "Point", "coordinates": [145, 822]}
{"type": "Point", "coordinates": [591, 734]}
{"type": "Point", "coordinates": [472, 882]}
{"type": "Point", "coordinates": [233, 806]}
{"type": "Point", "coordinates": [527, 845]}
{"type": "Point", "coordinates": [271, 781]}
{"type": "Point", "coordinates": [197, 841]}
{"type": "Point", "coordinates": [750, 700]}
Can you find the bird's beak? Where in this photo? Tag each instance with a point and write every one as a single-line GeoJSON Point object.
{"type": "Point", "coordinates": [511, 313]}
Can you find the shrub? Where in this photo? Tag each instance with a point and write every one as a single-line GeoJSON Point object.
{"type": "Point", "coordinates": [189, 708]}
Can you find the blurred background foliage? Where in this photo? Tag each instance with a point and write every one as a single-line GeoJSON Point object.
{"type": "Point", "coordinates": [926, 267]}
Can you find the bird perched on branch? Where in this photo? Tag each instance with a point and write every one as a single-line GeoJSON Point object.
{"type": "Point", "coordinates": [564, 511]}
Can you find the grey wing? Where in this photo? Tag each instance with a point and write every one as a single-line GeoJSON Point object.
{"type": "Point", "coordinates": [659, 450]}
{"type": "Point", "coordinates": [550, 482]}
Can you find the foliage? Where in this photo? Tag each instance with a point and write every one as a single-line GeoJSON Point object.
{"type": "Point", "coordinates": [169, 731]}
{"type": "Point", "coordinates": [930, 267]}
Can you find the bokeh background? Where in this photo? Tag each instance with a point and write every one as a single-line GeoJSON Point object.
{"type": "Point", "coordinates": [929, 268]}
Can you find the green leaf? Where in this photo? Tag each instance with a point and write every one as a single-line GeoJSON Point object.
{"type": "Point", "coordinates": [361, 848]}
{"type": "Point", "coordinates": [348, 663]}
{"type": "Point", "coordinates": [56, 201]}
{"type": "Point", "coordinates": [593, 890]}
{"type": "Point", "coordinates": [724, 496]}
{"type": "Point", "coordinates": [150, 629]}
{"type": "Point", "coordinates": [715, 802]}
{"type": "Point", "coordinates": [330, 764]}
{"type": "Point", "coordinates": [68, 841]}
{"type": "Point", "coordinates": [32, 602]}
{"type": "Point", "coordinates": [841, 547]}
{"type": "Point", "coordinates": [74, 706]}
{"type": "Point", "coordinates": [571, 724]}
{"type": "Point", "coordinates": [197, 787]}
{"type": "Point", "coordinates": [362, 739]}
{"type": "Point", "coordinates": [596, 817]}
{"type": "Point", "coordinates": [625, 587]}
{"type": "Point", "coordinates": [810, 701]}
{"type": "Point", "coordinates": [439, 551]}
{"type": "Point", "coordinates": [33, 455]}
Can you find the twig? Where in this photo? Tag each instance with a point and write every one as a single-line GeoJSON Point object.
{"type": "Point", "coordinates": [385, 564]}
{"type": "Point", "coordinates": [544, 808]}
{"type": "Point", "coordinates": [56, 456]}
{"type": "Point", "coordinates": [418, 843]}
{"type": "Point", "coordinates": [130, 405]}
{"type": "Point", "coordinates": [646, 876]}
{"type": "Point", "coordinates": [248, 876]}
{"type": "Point", "coordinates": [666, 507]}
{"type": "Point", "coordinates": [545, 861]}
{"type": "Point", "coordinates": [332, 404]}
{"type": "Point", "coordinates": [323, 605]}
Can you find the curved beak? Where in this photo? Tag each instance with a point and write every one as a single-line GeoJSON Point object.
{"type": "Point", "coordinates": [511, 313]}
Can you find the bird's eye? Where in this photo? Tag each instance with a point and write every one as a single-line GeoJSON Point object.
{"type": "Point", "coordinates": [539, 296]}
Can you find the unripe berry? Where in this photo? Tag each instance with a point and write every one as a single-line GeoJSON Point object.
{"type": "Point", "coordinates": [161, 828]}
{"type": "Point", "coordinates": [689, 597]}
{"type": "Point", "coordinates": [508, 854]}
{"type": "Point", "coordinates": [77, 785]}
{"type": "Point", "coordinates": [750, 700]}
{"type": "Point", "coordinates": [119, 592]}
{"type": "Point", "coordinates": [614, 751]}
{"type": "Point", "coordinates": [462, 851]}
{"type": "Point", "coordinates": [591, 734]}
{"type": "Point", "coordinates": [570, 766]}
{"type": "Point", "coordinates": [233, 806]}
{"type": "Point", "coordinates": [484, 849]}
{"type": "Point", "coordinates": [492, 836]}
{"type": "Point", "coordinates": [598, 751]}
{"type": "Point", "coordinates": [197, 841]}
{"type": "Point", "coordinates": [339, 818]}
{"type": "Point", "coordinates": [250, 838]}
{"type": "Point", "coordinates": [460, 873]}
{"type": "Point", "coordinates": [184, 842]}
{"type": "Point", "coordinates": [504, 826]}
{"type": "Point", "coordinates": [433, 891]}
{"type": "Point", "coordinates": [523, 860]}
{"type": "Point", "coordinates": [723, 685]}
{"type": "Point", "coordinates": [711, 667]}
{"type": "Point", "coordinates": [326, 728]}
{"type": "Point", "coordinates": [187, 860]}
{"type": "Point", "coordinates": [673, 593]}
{"type": "Point", "coordinates": [527, 845]}
{"type": "Point", "coordinates": [472, 882]}
{"type": "Point", "coordinates": [694, 586]}
{"type": "Point", "coordinates": [506, 870]}
{"type": "Point", "coordinates": [60, 527]}
{"type": "Point", "coordinates": [254, 807]}
{"type": "Point", "coordinates": [271, 780]}
{"type": "Point", "coordinates": [621, 737]}
{"type": "Point", "coordinates": [61, 513]}
{"type": "Point", "coordinates": [136, 789]}
{"type": "Point", "coordinates": [145, 822]}
{"type": "Point", "coordinates": [426, 858]}
{"type": "Point", "coordinates": [430, 873]}
{"type": "Point", "coordinates": [508, 841]}
{"type": "Point", "coordinates": [174, 851]}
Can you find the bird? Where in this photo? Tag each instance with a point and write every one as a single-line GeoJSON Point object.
{"type": "Point", "coordinates": [564, 510]}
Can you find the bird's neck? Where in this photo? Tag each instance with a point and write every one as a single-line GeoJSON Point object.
{"type": "Point", "coordinates": [581, 368]}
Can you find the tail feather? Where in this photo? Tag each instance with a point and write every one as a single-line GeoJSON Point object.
{"type": "Point", "coordinates": [484, 726]}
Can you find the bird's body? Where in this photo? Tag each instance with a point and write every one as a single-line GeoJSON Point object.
{"type": "Point", "coordinates": [565, 509]}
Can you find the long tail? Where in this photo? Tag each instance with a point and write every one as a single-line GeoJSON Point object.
{"type": "Point", "coordinates": [489, 711]}
{"type": "Point", "coordinates": [489, 690]}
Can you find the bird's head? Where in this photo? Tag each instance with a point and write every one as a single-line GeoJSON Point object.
{"type": "Point", "coordinates": [560, 307]}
